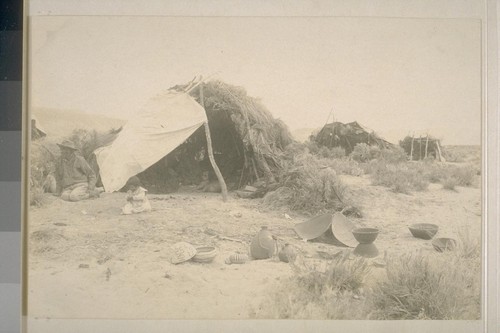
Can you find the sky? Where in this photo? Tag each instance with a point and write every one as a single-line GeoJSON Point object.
{"type": "Point", "coordinates": [396, 76]}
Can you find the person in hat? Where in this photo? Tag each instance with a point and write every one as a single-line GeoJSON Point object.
{"type": "Point", "coordinates": [77, 179]}
{"type": "Point", "coordinates": [137, 201]}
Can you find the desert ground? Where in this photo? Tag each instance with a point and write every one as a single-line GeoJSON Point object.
{"type": "Point", "coordinates": [88, 261]}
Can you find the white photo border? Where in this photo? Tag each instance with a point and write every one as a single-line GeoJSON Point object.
{"type": "Point", "coordinates": [484, 10]}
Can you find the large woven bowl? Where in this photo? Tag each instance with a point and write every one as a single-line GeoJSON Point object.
{"type": "Point", "coordinates": [205, 254]}
{"type": "Point", "coordinates": [444, 244]}
{"type": "Point", "coordinates": [365, 235]}
{"type": "Point", "coordinates": [181, 252]}
{"type": "Point", "coordinates": [423, 230]}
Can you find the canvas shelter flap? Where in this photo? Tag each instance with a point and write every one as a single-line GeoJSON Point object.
{"type": "Point", "coordinates": [164, 123]}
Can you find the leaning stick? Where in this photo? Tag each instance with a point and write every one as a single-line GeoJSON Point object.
{"type": "Point", "coordinates": [211, 153]}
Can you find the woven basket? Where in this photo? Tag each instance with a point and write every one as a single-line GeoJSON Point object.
{"type": "Point", "coordinates": [205, 254]}
{"type": "Point", "coordinates": [181, 252]}
{"type": "Point", "coordinates": [236, 259]}
{"type": "Point", "coordinates": [423, 230]}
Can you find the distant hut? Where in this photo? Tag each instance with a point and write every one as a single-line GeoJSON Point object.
{"type": "Point", "coordinates": [422, 147]}
{"type": "Point", "coordinates": [347, 136]}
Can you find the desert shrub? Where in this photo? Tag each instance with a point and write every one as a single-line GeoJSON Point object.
{"type": "Point", "coordinates": [309, 190]}
{"type": "Point", "coordinates": [375, 152]}
{"type": "Point", "coordinates": [435, 173]}
{"type": "Point", "coordinates": [369, 167]}
{"type": "Point", "coordinates": [320, 291]}
{"type": "Point", "coordinates": [452, 155]}
{"type": "Point", "coordinates": [465, 175]}
{"type": "Point", "coordinates": [323, 151]}
{"type": "Point", "coordinates": [401, 178]}
{"type": "Point", "coordinates": [449, 183]}
{"type": "Point", "coordinates": [37, 197]}
{"type": "Point", "coordinates": [361, 152]}
{"type": "Point", "coordinates": [449, 175]}
{"type": "Point", "coordinates": [418, 288]}
{"type": "Point", "coordinates": [469, 246]}
{"type": "Point", "coordinates": [307, 185]}
{"type": "Point", "coordinates": [42, 164]}
{"type": "Point", "coordinates": [335, 152]}
{"type": "Point", "coordinates": [393, 155]}
{"type": "Point", "coordinates": [346, 166]}
{"type": "Point", "coordinates": [312, 147]}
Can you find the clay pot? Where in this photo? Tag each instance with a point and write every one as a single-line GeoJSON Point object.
{"type": "Point", "coordinates": [263, 245]}
{"type": "Point", "coordinates": [288, 253]}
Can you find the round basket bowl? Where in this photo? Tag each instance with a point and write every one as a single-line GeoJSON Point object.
{"type": "Point", "coordinates": [205, 254]}
{"type": "Point", "coordinates": [423, 230]}
{"type": "Point", "coordinates": [444, 244]}
{"type": "Point", "coordinates": [365, 235]}
{"type": "Point", "coordinates": [181, 252]}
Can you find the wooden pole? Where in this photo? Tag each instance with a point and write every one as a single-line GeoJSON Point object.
{"type": "Point", "coordinates": [411, 150]}
{"type": "Point", "coordinates": [222, 183]}
{"type": "Point", "coordinates": [426, 145]}
{"type": "Point", "coordinates": [441, 159]}
{"type": "Point", "coordinates": [420, 147]}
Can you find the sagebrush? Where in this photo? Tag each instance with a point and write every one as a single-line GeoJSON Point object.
{"type": "Point", "coordinates": [331, 290]}
{"type": "Point", "coordinates": [306, 185]}
{"type": "Point", "coordinates": [418, 288]}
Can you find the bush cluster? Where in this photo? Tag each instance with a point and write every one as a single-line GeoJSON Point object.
{"type": "Point", "coordinates": [415, 286]}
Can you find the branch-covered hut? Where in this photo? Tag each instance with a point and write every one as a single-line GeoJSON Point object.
{"type": "Point", "coordinates": [347, 136]}
{"type": "Point", "coordinates": [422, 147]}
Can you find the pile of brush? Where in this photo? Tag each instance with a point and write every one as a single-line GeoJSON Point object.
{"type": "Point", "coordinates": [307, 185]}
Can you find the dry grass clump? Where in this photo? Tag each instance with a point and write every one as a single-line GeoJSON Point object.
{"type": "Point", "coordinates": [42, 164]}
{"type": "Point", "coordinates": [43, 241]}
{"type": "Point", "coordinates": [450, 175]}
{"type": "Point", "coordinates": [342, 273]}
{"type": "Point", "coordinates": [323, 151]}
{"type": "Point", "coordinates": [361, 153]}
{"type": "Point", "coordinates": [329, 291]}
{"type": "Point", "coordinates": [468, 245]}
{"type": "Point", "coordinates": [346, 166]}
{"type": "Point", "coordinates": [37, 197]}
{"type": "Point", "coordinates": [449, 183]}
{"type": "Point", "coordinates": [461, 154]}
{"type": "Point", "coordinates": [392, 170]}
{"type": "Point", "coordinates": [393, 155]}
{"type": "Point", "coordinates": [306, 185]}
{"type": "Point", "coordinates": [415, 285]}
{"type": "Point", "coordinates": [465, 175]}
{"type": "Point", "coordinates": [334, 158]}
{"type": "Point", "coordinates": [401, 178]}
{"type": "Point", "coordinates": [418, 288]}
{"type": "Point", "coordinates": [335, 152]}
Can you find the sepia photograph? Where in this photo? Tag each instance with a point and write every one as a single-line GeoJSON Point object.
{"type": "Point", "coordinates": [304, 168]}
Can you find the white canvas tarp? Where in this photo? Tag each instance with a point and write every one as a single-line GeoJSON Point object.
{"type": "Point", "coordinates": [164, 123]}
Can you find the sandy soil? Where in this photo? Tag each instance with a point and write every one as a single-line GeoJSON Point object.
{"type": "Point", "coordinates": [88, 261]}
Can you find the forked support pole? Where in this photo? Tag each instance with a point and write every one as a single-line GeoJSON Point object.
{"type": "Point", "coordinates": [222, 183]}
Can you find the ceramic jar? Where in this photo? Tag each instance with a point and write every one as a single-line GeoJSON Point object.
{"type": "Point", "coordinates": [288, 253]}
{"type": "Point", "coordinates": [263, 245]}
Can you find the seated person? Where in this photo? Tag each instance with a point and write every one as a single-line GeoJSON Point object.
{"type": "Point", "coordinates": [136, 197]}
{"type": "Point", "coordinates": [77, 179]}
